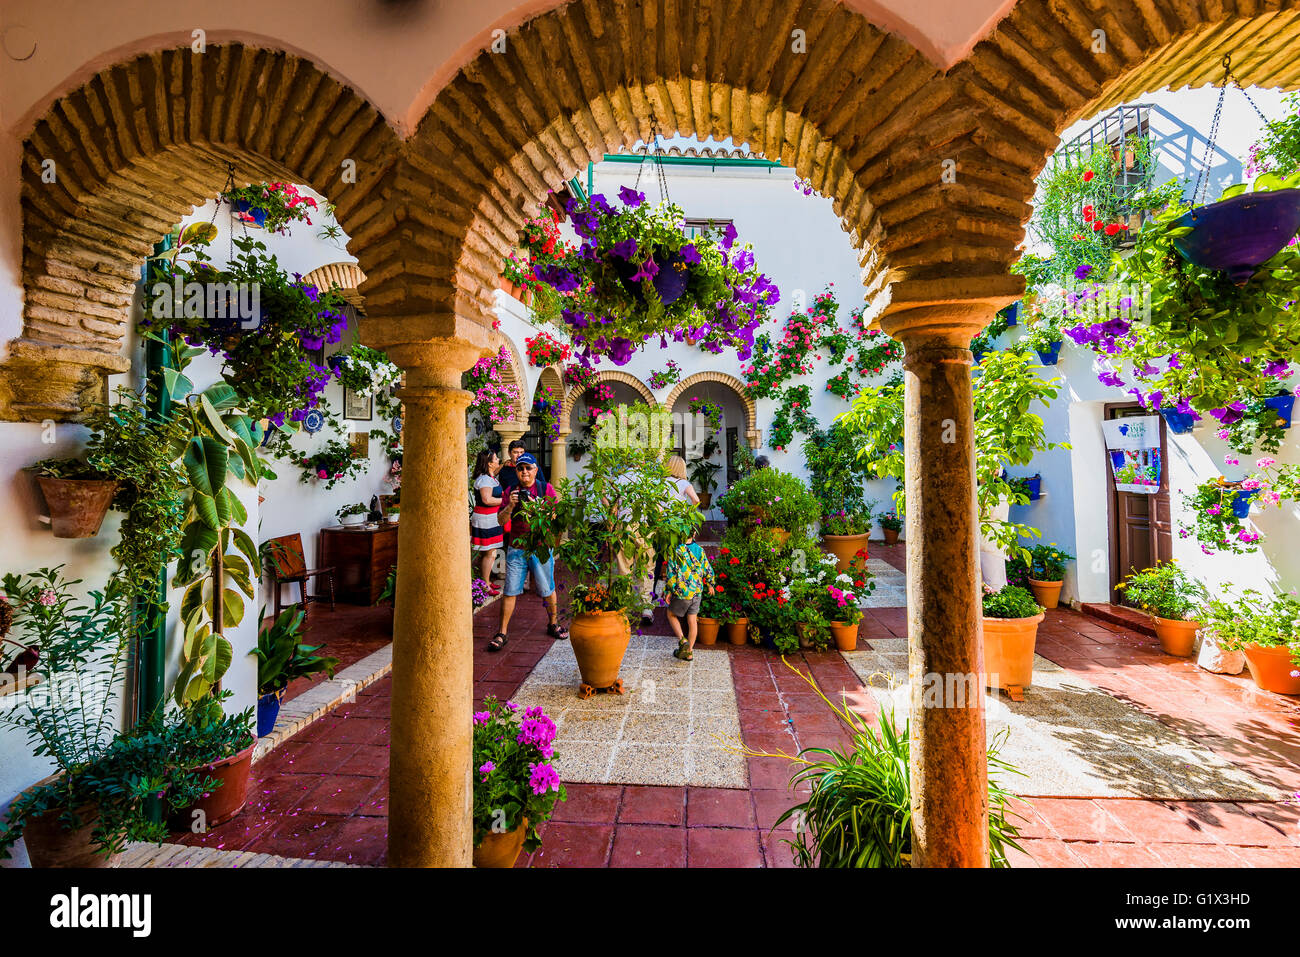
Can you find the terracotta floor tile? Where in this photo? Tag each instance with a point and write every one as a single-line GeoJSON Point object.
{"type": "Point", "coordinates": [1073, 819]}
{"type": "Point", "coordinates": [358, 840]}
{"type": "Point", "coordinates": [648, 845]}
{"type": "Point", "coordinates": [1160, 821]}
{"type": "Point", "coordinates": [653, 805]}
{"type": "Point", "coordinates": [337, 794]}
{"type": "Point", "coordinates": [574, 845]}
{"type": "Point", "coordinates": [1049, 853]}
{"type": "Point", "coordinates": [1269, 856]}
{"type": "Point", "coordinates": [1114, 855]}
{"type": "Point", "coordinates": [722, 847]}
{"type": "Point", "coordinates": [719, 807]}
{"type": "Point", "coordinates": [588, 803]}
{"type": "Point", "coordinates": [1195, 855]}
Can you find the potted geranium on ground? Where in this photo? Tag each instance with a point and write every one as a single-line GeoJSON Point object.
{"type": "Point", "coordinates": [515, 782]}
{"type": "Point", "coordinates": [1173, 599]}
{"type": "Point", "coordinates": [891, 523]}
{"type": "Point", "coordinates": [1011, 619]}
{"type": "Point", "coordinates": [715, 611]}
{"type": "Point", "coordinates": [1047, 573]}
{"type": "Point", "coordinates": [1266, 628]}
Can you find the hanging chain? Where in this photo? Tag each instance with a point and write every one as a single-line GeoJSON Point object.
{"type": "Point", "coordinates": [1203, 176]}
{"type": "Point", "coordinates": [654, 152]}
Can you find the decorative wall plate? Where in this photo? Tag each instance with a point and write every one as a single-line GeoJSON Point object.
{"type": "Point", "coordinates": [313, 421]}
{"type": "Point", "coordinates": [397, 425]}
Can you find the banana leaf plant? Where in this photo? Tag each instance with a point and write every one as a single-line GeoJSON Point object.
{"type": "Point", "coordinates": [216, 552]}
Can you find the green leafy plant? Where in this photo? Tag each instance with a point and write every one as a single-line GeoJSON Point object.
{"type": "Point", "coordinates": [858, 812]}
{"type": "Point", "coordinates": [702, 474]}
{"type": "Point", "coordinates": [770, 498]}
{"type": "Point", "coordinates": [1165, 591]}
{"type": "Point", "coordinates": [364, 370]}
{"type": "Point", "coordinates": [1272, 621]}
{"type": "Point", "coordinates": [1048, 562]}
{"type": "Point", "coordinates": [891, 521]}
{"type": "Point", "coordinates": [838, 470]}
{"type": "Point", "coordinates": [515, 781]}
{"type": "Point", "coordinates": [1010, 601]}
{"type": "Point", "coordinates": [281, 203]}
{"type": "Point", "coordinates": [357, 509]}
{"type": "Point", "coordinates": [282, 658]}
{"type": "Point", "coordinates": [335, 463]}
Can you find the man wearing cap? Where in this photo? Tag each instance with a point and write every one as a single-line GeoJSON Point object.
{"type": "Point", "coordinates": [519, 561]}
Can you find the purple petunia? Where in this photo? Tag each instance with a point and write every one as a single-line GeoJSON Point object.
{"type": "Point", "coordinates": [630, 197]}
{"type": "Point", "coordinates": [624, 249]}
{"type": "Point", "coordinates": [728, 236]}
{"type": "Point", "coordinates": [690, 254]}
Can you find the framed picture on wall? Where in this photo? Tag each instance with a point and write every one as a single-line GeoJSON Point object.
{"type": "Point", "coordinates": [358, 408]}
{"type": "Point", "coordinates": [359, 442]}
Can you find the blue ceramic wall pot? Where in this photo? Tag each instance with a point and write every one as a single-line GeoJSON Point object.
{"type": "Point", "coordinates": [1283, 406]}
{"type": "Point", "coordinates": [1053, 353]}
{"type": "Point", "coordinates": [1180, 423]}
{"type": "Point", "coordinates": [1241, 503]}
{"type": "Point", "coordinates": [1237, 235]}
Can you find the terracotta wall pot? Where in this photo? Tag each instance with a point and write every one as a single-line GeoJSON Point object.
{"type": "Point", "coordinates": [1009, 651]}
{"type": "Point", "coordinates": [1271, 668]}
{"type": "Point", "coordinates": [1177, 637]}
{"type": "Point", "coordinates": [49, 845]}
{"type": "Point", "coordinates": [501, 850]}
{"type": "Point", "coordinates": [846, 636]}
{"type": "Point", "coordinates": [223, 803]}
{"type": "Point", "coordinates": [599, 639]}
{"type": "Point", "coordinates": [1047, 594]}
{"type": "Point", "coordinates": [708, 631]}
{"type": "Point", "coordinates": [891, 536]}
{"type": "Point", "coordinates": [843, 547]}
{"type": "Point", "coordinates": [77, 506]}
{"type": "Point", "coordinates": [738, 631]}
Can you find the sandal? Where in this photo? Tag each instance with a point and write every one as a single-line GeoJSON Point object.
{"type": "Point", "coordinates": [556, 632]}
{"type": "Point", "coordinates": [683, 650]}
{"type": "Point", "coordinates": [499, 641]}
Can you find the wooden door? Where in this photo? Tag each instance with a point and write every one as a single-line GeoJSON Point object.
{"type": "Point", "coordinates": [1141, 530]}
{"type": "Point", "coordinates": [733, 442]}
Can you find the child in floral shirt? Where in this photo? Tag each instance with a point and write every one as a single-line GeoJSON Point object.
{"type": "Point", "coordinates": [689, 573]}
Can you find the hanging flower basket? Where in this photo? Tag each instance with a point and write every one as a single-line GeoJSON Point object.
{"type": "Point", "coordinates": [1241, 503]}
{"type": "Point", "coordinates": [1239, 234]}
{"type": "Point", "coordinates": [250, 215]}
{"type": "Point", "coordinates": [1283, 406]}
{"type": "Point", "coordinates": [637, 275]}
{"type": "Point", "coordinates": [1180, 423]}
{"type": "Point", "coordinates": [1051, 354]}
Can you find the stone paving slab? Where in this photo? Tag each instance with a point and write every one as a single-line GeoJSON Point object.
{"type": "Point", "coordinates": [1073, 739]}
{"type": "Point", "coordinates": [183, 856]}
{"type": "Point", "coordinates": [891, 586]}
{"type": "Point", "coordinates": [670, 727]}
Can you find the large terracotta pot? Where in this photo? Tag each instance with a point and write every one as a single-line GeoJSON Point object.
{"type": "Point", "coordinates": [1009, 651]}
{"type": "Point", "coordinates": [501, 850]}
{"type": "Point", "coordinates": [843, 547]}
{"type": "Point", "coordinates": [77, 506]}
{"type": "Point", "coordinates": [1047, 594]}
{"type": "Point", "coordinates": [49, 845]}
{"type": "Point", "coordinates": [599, 639]}
{"type": "Point", "coordinates": [891, 536]}
{"type": "Point", "coordinates": [706, 499]}
{"type": "Point", "coordinates": [708, 631]}
{"type": "Point", "coordinates": [1271, 668]}
{"type": "Point", "coordinates": [1177, 637]}
{"type": "Point", "coordinates": [222, 803]}
{"type": "Point", "coordinates": [846, 636]}
{"type": "Point", "coordinates": [738, 631]}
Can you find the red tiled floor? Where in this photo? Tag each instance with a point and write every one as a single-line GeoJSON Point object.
{"type": "Point", "coordinates": [324, 794]}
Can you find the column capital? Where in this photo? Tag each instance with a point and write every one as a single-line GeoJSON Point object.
{"type": "Point", "coordinates": [944, 311]}
{"type": "Point", "coordinates": [433, 351]}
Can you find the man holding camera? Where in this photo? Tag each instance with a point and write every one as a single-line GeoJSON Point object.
{"type": "Point", "coordinates": [520, 560]}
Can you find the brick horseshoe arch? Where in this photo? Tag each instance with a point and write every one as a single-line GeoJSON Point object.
{"type": "Point", "coordinates": [611, 375]}
{"type": "Point", "coordinates": [112, 166]}
{"type": "Point", "coordinates": [730, 381]}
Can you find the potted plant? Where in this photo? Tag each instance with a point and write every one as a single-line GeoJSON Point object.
{"type": "Point", "coordinates": [618, 507]}
{"type": "Point", "coordinates": [1243, 230]}
{"type": "Point", "coordinates": [839, 606]}
{"type": "Point", "coordinates": [715, 609]}
{"type": "Point", "coordinates": [393, 512]}
{"type": "Point", "coordinates": [1173, 599]}
{"type": "Point", "coordinates": [891, 523]}
{"type": "Point", "coordinates": [844, 534]}
{"type": "Point", "coordinates": [515, 782]}
{"type": "Point", "coordinates": [639, 274]}
{"type": "Point", "coordinates": [1266, 628]}
{"type": "Point", "coordinates": [1011, 618]}
{"type": "Point", "coordinates": [270, 205]}
{"type": "Point", "coordinates": [1046, 339]}
{"type": "Point", "coordinates": [730, 576]}
{"type": "Point", "coordinates": [334, 463]}
{"type": "Point", "coordinates": [352, 514]}
{"type": "Point", "coordinates": [77, 494]}
{"type": "Point", "coordinates": [282, 658]}
{"type": "Point", "coordinates": [544, 350]}
{"type": "Point", "coordinates": [857, 809]}
{"type": "Point", "coordinates": [364, 370]}
{"type": "Point", "coordinates": [1047, 573]}
{"type": "Point", "coordinates": [702, 474]}
{"type": "Point", "coordinates": [98, 798]}
{"type": "Point", "coordinates": [771, 499]}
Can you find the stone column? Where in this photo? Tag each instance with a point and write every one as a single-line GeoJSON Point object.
{"type": "Point", "coordinates": [948, 763]}
{"type": "Point", "coordinates": [559, 458]}
{"type": "Point", "coordinates": [430, 789]}
{"type": "Point", "coordinates": [509, 432]}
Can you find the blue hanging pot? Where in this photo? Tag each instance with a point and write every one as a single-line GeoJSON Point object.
{"type": "Point", "coordinates": [248, 211]}
{"type": "Point", "coordinates": [1237, 235]}
{"type": "Point", "coordinates": [1282, 405]}
{"type": "Point", "coordinates": [669, 282]}
{"type": "Point", "coordinates": [1053, 353]}
{"type": "Point", "coordinates": [1241, 503]}
{"type": "Point", "coordinates": [1180, 423]}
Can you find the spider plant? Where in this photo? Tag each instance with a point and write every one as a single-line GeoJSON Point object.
{"type": "Point", "coordinates": [859, 810]}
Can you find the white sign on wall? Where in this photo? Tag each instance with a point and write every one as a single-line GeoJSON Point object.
{"type": "Point", "coordinates": [1134, 447]}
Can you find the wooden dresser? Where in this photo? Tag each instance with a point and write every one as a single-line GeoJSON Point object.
{"type": "Point", "coordinates": [361, 558]}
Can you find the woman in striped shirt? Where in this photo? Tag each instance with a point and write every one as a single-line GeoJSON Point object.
{"type": "Point", "coordinates": [484, 529]}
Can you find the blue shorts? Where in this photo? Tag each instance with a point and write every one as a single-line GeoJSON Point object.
{"type": "Point", "coordinates": [519, 564]}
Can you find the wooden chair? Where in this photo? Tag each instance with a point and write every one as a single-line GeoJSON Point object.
{"type": "Point", "coordinates": [289, 566]}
